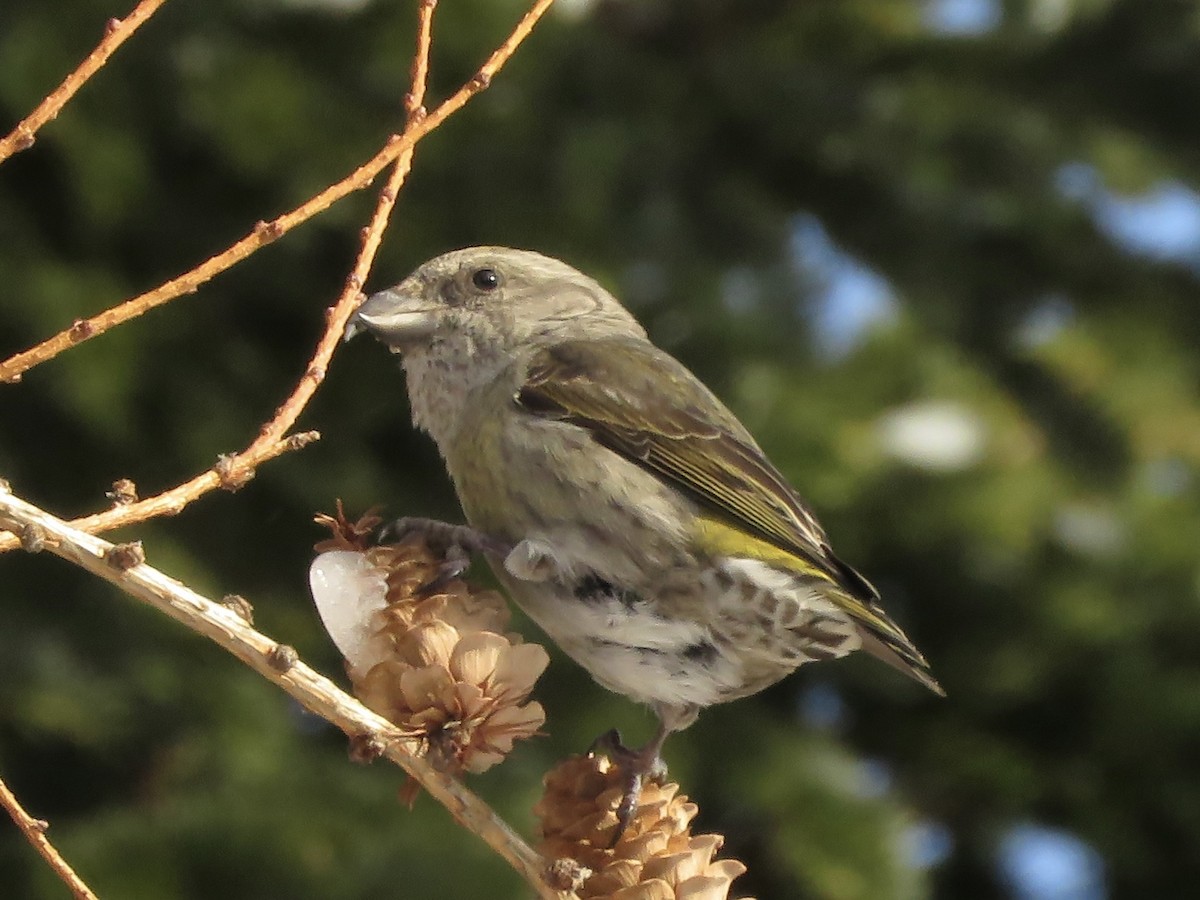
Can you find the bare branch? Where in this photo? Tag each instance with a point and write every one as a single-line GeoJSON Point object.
{"type": "Point", "coordinates": [116, 31]}
{"type": "Point", "coordinates": [265, 232]}
{"type": "Point", "coordinates": [35, 832]}
{"type": "Point", "coordinates": [372, 235]}
{"type": "Point", "coordinates": [234, 470]}
{"type": "Point", "coordinates": [231, 472]}
{"type": "Point", "coordinates": [278, 663]}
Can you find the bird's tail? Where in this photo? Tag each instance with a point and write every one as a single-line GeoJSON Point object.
{"type": "Point", "coordinates": [902, 657]}
{"type": "Point", "coordinates": [881, 637]}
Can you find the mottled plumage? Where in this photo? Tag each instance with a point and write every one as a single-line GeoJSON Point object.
{"type": "Point", "coordinates": [651, 538]}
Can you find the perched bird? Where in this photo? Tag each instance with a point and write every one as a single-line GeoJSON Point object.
{"type": "Point", "coordinates": [623, 507]}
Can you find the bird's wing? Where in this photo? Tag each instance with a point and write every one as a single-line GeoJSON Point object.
{"type": "Point", "coordinates": [645, 405]}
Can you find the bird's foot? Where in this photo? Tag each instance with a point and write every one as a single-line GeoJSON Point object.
{"type": "Point", "coordinates": [637, 766]}
{"type": "Point", "coordinates": [455, 543]}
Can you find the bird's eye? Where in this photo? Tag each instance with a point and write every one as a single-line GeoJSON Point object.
{"type": "Point", "coordinates": [485, 279]}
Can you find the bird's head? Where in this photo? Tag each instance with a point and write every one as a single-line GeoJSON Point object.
{"type": "Point", "coordinates": [487, 300]}
{"type": "Point", "coordinates": [469, 319]}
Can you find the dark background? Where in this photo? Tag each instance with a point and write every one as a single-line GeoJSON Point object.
{"type": "Point", "coordinates": [941, 257]}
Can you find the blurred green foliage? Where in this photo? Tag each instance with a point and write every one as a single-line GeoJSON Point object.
{"type": "Point", "coordinates": [725, 166]}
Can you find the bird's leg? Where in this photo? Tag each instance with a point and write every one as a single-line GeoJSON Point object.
{"type": "Point", "coordinates": [636, 766]}
{"type": "Point", "coordinates": [455, 542]}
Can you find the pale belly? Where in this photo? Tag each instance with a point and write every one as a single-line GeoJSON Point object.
{"type": "Point", "coordinates": [724, 648]}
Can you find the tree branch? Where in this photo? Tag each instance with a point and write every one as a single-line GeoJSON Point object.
{"type": "Point", "coordinates": [234, 470]}
{"type": "Point", "coordinates": [116, 31]}
{"type": "Point", "coordinates": [35, 832]}
{"type": "Point", "coordinates": [123, 566]}
{"type": "Point", "coordinates": [266, 232]}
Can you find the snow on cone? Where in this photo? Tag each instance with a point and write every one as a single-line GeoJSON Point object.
{"type": "Point", "coordinates": [439, 664]}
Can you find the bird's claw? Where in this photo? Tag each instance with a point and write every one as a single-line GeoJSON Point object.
{"type": "Point", "coordinates": [456, 560]}
{"type": "Point", "coordinates": [443, 535]}
{"type": "Point", "coordinates": [456, 543]}
{"type": "Point", "coordinates": [636, 767]}
{"type": "Point", "coordinates": [609, 744]}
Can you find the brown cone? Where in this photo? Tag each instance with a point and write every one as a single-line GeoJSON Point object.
{"type": "Point", "coordinates": [657, 857]}
{"type": "Point", "coordinates": [448, 673]}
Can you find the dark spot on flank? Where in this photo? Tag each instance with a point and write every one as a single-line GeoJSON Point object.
{"type": "Point", "coordinates": [703, 652]}
{"type": "Point", "coordinates": [813, 632]}
{"type": "Point", "coordinates": [593, 588]}
{"type": "Point", "coordinates": [725, 581]}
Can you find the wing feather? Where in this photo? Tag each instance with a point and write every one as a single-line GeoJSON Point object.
{"type": "Point", "coordinates": [689, 438]}
{"type": "Point", "coordinates": [614, 389]}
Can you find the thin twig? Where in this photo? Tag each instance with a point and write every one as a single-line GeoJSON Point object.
{"type": "Point", "coordinates": [414, 103]}
{"type": "Point", "coordinates": [372, 235]}
{"type": "Point", "coordinates": [265, 232]}
{"type": "Point", "coordinates": [231, 472]}
{"type": "Point", "coordinates": [236, 469]}
{"type": "Point", "coordinates": [116, 31]}
{"type": "Point", "coordinates": [35, 832]}
{"type": "Point", "coordinates": [122, 566]}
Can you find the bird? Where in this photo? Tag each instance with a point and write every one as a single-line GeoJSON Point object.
{"type": "Point", "coordinates": [619, 502]}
